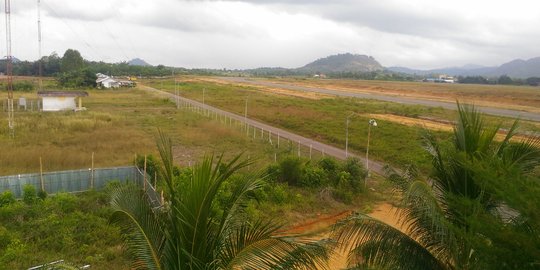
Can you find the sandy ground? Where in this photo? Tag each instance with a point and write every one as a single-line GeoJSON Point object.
{"type": "Point", "coordinates": [321, 227]}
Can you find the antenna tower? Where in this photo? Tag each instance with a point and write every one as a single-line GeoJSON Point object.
{"type": "Point", "coordinates": [40, 67]}
{"type": "Point", "coordinates": [9, 68]}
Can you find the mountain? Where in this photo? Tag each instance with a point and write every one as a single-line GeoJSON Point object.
{"type": "Point", "coordinates": [342, 63]}
{"type": "Point", "coordinates": [138, 62]}
{"type": "Point", "coordinates": [516, 68]}
{"type": "Point", "coordinates": [520, 68]}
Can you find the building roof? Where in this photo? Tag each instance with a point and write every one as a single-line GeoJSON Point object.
{"type": "Point", "coordinates": [62, 94]}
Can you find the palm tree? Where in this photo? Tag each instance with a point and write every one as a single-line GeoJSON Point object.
{"type": "Point", "coordinates": [187, 232]}
{"type": "Point", "coordinates": [442, 218]}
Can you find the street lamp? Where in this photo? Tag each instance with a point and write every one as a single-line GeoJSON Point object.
{"type": "Point", "coordinates": [347, 135]}
{"type": "Point", "coordinates": [371, 122]}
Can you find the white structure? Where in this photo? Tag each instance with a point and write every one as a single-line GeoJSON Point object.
{"type": "Point", "coordinates": [111, 82]}
{"type": "Point", "coordinates": [107, 82]}
{"type": "Point", "coordinates": [61, 100]}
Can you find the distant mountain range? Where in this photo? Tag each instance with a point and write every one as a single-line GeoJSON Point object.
{"type": "Point", "coordinates": [516, 69]}
{"type": "Point", "coordinates": [356, 63]}
{"type": "Point", "coordinates": [137, 62]}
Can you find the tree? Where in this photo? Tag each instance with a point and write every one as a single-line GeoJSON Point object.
{"type": "Point", "coordinates": [466, 214]}
{"type": "Point", "coordinates": [186, 232]}
{"type": "Point", "coordinates": [504, 79]}
{"type": "Point", "coordinates": [71, 61]}
{"type": "Point", "coordinates": [77, 78]}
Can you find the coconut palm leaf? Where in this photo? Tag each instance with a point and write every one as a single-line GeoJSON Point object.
{"type": "Point", "coordinates": [141, 228]}
{"type": "Point", "coordinates": [378, 244]}
{"type": "Point", "coordinates": [254, 246]}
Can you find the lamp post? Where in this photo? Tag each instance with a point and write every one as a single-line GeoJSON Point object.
{"type": "Point", "coordinates": [347, 135]}
{"type": "Point", "coordinates": [371, 122]}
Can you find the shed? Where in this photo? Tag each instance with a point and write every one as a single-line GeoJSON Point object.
{"type": "Point", "coordinates": [62, 100]}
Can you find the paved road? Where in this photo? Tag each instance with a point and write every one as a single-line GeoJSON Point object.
{"type": "Point", "coordinates": [397, 99]}
{"type": "Point", "coordinates": [228, 116]}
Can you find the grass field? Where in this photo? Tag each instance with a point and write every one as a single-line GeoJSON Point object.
{"type": "Point", "coordinates": [117, 125]}
{"type": "Point", "coordinates": [324, 118]}
{"type": "Point", "coordinates": [506, 96]}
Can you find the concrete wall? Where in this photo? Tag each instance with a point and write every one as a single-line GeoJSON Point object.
{"type": "Point", "coordinates": [53, 104]}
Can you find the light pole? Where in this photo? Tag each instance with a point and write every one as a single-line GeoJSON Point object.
{"type": "Point", "coordinates": [347, 135]}
{"type": "Point", "coordinates": [245, 116]}
{"type": "Point", "coordinates": [371, 122]}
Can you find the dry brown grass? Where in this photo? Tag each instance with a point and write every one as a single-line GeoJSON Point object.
{"type": "Point", "coordinates": [516, 97]}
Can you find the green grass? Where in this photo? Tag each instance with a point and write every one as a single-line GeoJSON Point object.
{"type": "Point", "coordinates": [117, 125]}
{"type": "Point", "coordinates": [324, 119]}
{"type": "Point", "coordinates": [62, 227]}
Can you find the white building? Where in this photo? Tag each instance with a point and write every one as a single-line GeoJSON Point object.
{"type": "Point", "coordinates": [53, 101]}
{"type": "Point", "coordinates": [107, 82]}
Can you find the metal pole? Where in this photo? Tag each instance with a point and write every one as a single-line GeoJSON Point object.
{"type": "Point", "coordinates": [245, 115]}
{"type": "Point", "coordinates": [367, 148]}
{"type": "Point", "coordinates": [347, 138]}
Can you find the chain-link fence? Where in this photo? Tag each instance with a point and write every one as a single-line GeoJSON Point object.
{"type": "Point", "coordinates": [77, 181]}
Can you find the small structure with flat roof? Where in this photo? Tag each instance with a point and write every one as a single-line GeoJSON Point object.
{"type": "Point", "coordinates": [54, 101]}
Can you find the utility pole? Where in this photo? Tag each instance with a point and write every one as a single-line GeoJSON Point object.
{"type": "Point", "coordinates": [371, 122]}
{"type": "Point", "coordinates": [9, 69]}
{"type": "Point", "coordinates": [40, 67]}
{"type": "Point", "coordinates": [245, 116]}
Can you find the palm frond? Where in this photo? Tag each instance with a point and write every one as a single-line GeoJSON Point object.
{"type": "Point", "coordinates": [375, 243]}
{"type": "Point", "coordinates": [140, 226]}
{"type": "Point", "coordinates": [252, 246]}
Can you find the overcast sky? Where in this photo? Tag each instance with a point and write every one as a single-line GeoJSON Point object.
{"type": "Point", "coordinates": [287, 33]}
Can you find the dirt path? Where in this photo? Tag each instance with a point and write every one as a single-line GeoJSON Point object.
{"type": "Point", "coordinates": [321, 227]}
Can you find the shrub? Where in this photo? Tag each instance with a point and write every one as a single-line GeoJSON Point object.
{"type": "Point", "coordinates": [42, 194]}
{"type": "Point", "coordinates": [29, 194]}
{"type": "Point", "coordinates": [152, 164]}
{"type": "Point", "coordinates": [357, 173]}
{"type": "Point", "coordinates": [291, 169]}
{"type": "Point", "coordinates": [6, 198]}
{"type": "Point", "coordinates": [313, 177]}
{"type": "Point", "coordinates": [273, 172]}
{"type": "Point", "coordinates": [331, 167]}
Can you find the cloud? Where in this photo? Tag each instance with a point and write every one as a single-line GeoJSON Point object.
{"type": "Point", "coordinates": [253, 33]}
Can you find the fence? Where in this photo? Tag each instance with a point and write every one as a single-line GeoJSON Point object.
{"type": "Point", "coordinates": [78, 181]}
{"type": "Point", "coordinates": [23, 104]}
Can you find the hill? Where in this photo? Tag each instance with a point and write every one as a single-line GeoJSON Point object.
{"type": "Point", "coordinates": [342, 63]}
{"type": "Point", "coordinates": [138, 62]}
{"type": "Point", "coordinates": [516, 68]}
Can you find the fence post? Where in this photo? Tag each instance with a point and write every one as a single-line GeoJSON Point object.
{"type": "Point", "coordinates": [310, 148]}
{"type": "Point", "coordinates": [278, 139]}
{"type": "Point", "coordinates": [298, 148]}
{"type": "Point", "coordinates": [144, 178]}
{"type": "Point", "coordinates": [41, 174]}
{"type": "Point", "coordinates": [92, 179]}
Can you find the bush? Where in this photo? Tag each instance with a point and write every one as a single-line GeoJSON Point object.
{"type": "Point", "coordinates": [29, 194]}
{"type": "Point", "coordinates": [331, 167]}
{"type": "Point", "coordinates": [291, 170]}
{"type": "Point", "coordinates": [152, 165]}
{"type": "Point", "coordinates": [6, 198]}
{"type": "Point", "coordinates": [357, 173]}
{"type": "Point", "coordinates": [313, 177]}
{"type": "Point", "coordinates": [42, 194]}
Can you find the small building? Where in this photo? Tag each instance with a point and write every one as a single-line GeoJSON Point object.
{"type": "Point", "coordinates": [53, 101]}
{"type": "Point", "coordinates": [107, 82]}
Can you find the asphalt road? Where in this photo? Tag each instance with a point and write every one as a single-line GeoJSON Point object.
{"type": "Point", "coordinates": [397, 99]}
{"type": "Point", "coordinates": [283, 134]}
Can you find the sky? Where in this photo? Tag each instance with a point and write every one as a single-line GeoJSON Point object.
{"type": "Point", "coordinates": [245, 34]}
